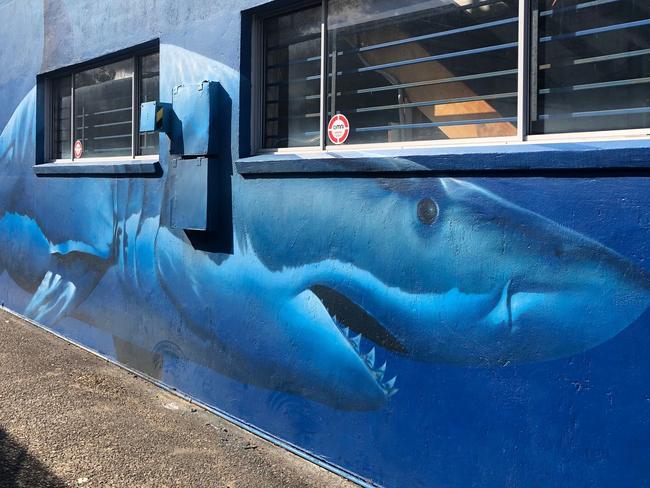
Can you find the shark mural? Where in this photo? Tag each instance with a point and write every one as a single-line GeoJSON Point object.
{"type": "Point", "coordinates": [413, 331]}
{"type": "Point", "coordinates": [440, 271]}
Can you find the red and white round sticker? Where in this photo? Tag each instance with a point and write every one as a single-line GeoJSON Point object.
{"type": "Point", "coordinates": [338, 129]}
{"type": "Point", "coordinates": [78, 149]}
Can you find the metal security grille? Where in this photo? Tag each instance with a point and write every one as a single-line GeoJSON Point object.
{"type": "Point", "coordinates": [61, 117]}
{"type": "Point", "coordinates": [443, 70]}
{"type": "Point", "coordinates": [95, 110]}
{"type": "Point", "coordinates": [594, 66]}
{"type": "Point", "coordinates": [423, 70]}
{"type": "Point", "coordinates": [292, 75]}
{"type": "Point", "coordinates": [103, 105]}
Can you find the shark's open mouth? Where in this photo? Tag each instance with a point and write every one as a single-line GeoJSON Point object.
{"type": "Point", "coordinates": [356, 324]}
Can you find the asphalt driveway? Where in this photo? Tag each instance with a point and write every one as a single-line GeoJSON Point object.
{"type": "Point", "coordinates": [69, 418]}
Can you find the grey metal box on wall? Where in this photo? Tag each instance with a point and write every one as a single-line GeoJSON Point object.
{"type": "Point", "coordinates": [191, 193]}
{"type": "Point", "coordinates": [194, 119]}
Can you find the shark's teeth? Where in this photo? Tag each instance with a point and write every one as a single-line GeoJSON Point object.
{"type": "Point", "coordinates": [370, 358]}
{"type": "Point", "coordinates": [390, 383]}
{"type": "Point", "coordinates": [356, 341]}
{"type": "Point", "coordinates": [381, 369]}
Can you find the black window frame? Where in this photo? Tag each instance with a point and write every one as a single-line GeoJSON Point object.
{"type": "Point", "coordinates": [526, 84]}
{"type": "Point", "coordinates": [45, 114]}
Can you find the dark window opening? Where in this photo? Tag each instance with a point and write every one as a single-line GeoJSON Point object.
{"type": "Point", "coordinates": [414, 70]}
{"type": "Point", "coordinates": [149, 89]}
{"type": "Point", "coordinates": [593, 70]}
{"type": "Point", "coordinates": [441, 70]}
{"type": "Point", "coordinates": [292, 79]}
{"type": "Point", "coordinates": [95, 110]}
{"type": "Point", "coordinates": [61, 117]}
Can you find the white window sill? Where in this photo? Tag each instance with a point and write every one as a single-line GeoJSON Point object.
{"type": "Point", "coordinates": [108, 167]}
{"type": "Point", "coordinates": [624, 154]}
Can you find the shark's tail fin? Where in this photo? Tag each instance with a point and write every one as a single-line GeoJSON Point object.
{"type": "Point", "coordinates": [17, 140]}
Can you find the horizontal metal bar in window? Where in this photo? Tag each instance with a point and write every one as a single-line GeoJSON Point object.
{"type": "Point", "coordinates": [434, 35]}
{"type": "Point", "coordinates": [294, 117]}
{"type": "Point", "coordinates": [112, 124]}
{"type": "Point", "coordinates": [426, 125]}
{"type": "Point", "coordinates": [105, 112]}
{"type": "Point", "coordinates": [436, 57]}
{"type": "Point", "coordinates": [576, 7]}
{"type": "Point", "coordinates": [428, 103]}
{"type": "Point", "coordinates": [294, 41]}
{"type": "Point", "coordinates": [293, 62]}
{"type": "Point", "coordinates": [597, 113]}
{"type": "Point", "coordinates": [112, 149]}
{"type": "Point", "coordinates": [598, 59]}
{"type": "Point", "coordinates": [291, 81]}
{"type": "Point", "coordinates": [295, 99]}
{"type": "Point", "coordinates": [416, 84]}
{"type": "Point", "coordinates": [596, 30]}
{"type": "Point", "coordinates": [594, 86]}
{"type": "Point", "coordinates": [99, 138]}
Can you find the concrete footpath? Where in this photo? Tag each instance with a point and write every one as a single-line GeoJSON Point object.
{"type": "Point", "coordinates": [69, 418]}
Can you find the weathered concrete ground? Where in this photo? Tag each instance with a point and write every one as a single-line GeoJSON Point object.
{"type": "Point", "coordinates": [68, 418]}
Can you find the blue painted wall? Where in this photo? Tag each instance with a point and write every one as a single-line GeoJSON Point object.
{"type": "Point", "coordinates": [511, 309]}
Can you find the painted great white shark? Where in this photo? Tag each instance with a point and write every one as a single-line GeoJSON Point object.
{"type": "Point", "coordinates": [326, 276]}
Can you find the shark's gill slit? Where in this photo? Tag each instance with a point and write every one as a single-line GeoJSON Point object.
{"type": "Point", "coordinates": [358, 320]}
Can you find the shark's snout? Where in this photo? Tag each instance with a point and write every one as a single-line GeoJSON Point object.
{"type": "Point", "coordinates": [586, 295]}
{"type": "Point", "coordinates": [558, 292]}
{"type": "Point", "coordinates": [490, 283]}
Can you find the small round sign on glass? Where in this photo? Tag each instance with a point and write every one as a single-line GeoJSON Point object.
{"type": "Point", "coordinates": [338, 129]}
{"type": "Point", "coordinates": [78, 149]}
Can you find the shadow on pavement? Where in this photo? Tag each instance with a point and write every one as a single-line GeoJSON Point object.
{"type": "Point", "coordinates": [19, 469]}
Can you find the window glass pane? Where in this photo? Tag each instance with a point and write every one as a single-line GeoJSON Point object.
{"type": "Point", "coordinates": [61, 95]}
{"type": "Point", "coordinates": [292, 79]}
{"type": "Point", "coordinates": [593, 69]}
{"type": "Point", "coordinates": [149, 88]}
{"type": "Point", "coordinates": [103, 109]}
{"type": "Point", "coordinates": [420, 70]}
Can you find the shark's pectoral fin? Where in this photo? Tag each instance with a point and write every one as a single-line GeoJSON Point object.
{"type": "Point", "coordinates": [67, 283]}
{"type": "Point", "coordinates": [52, 299]}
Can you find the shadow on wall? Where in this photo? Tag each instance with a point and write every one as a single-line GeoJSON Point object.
{"type": "Point", "coordinates": [19, 468]}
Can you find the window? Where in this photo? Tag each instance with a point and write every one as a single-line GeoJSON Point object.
{"type": "Point", "coordinates": [593, 66]}
{"type": "Point", "coordinates": [94, 110]}
{"type": "Point", "coordinates": [292, 88]}
{"type": "Point", "coordinates": [423, 70]}
{"type": "Point", "coordinates": [443, 70]}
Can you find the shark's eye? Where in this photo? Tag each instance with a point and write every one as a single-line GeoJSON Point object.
{"type": "Point", "coordinates": [427, 211]}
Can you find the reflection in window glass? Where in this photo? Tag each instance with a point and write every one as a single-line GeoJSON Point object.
{"type": "Point", "coordinates": [423, 70]}
{"type": "Point", "coordinates": [292, 79]}
{"type": "Point", "coordinates": [103, 106]}
{"type": "Point", "coordinates": [149, 88]}
{"type": "Point", "coordinates": [593, 69]}
{"type": "Point", "coordinates": [61, 112]}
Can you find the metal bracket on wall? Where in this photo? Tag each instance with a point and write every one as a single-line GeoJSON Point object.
{"type": "Point", "coordinates": [191, 193]}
